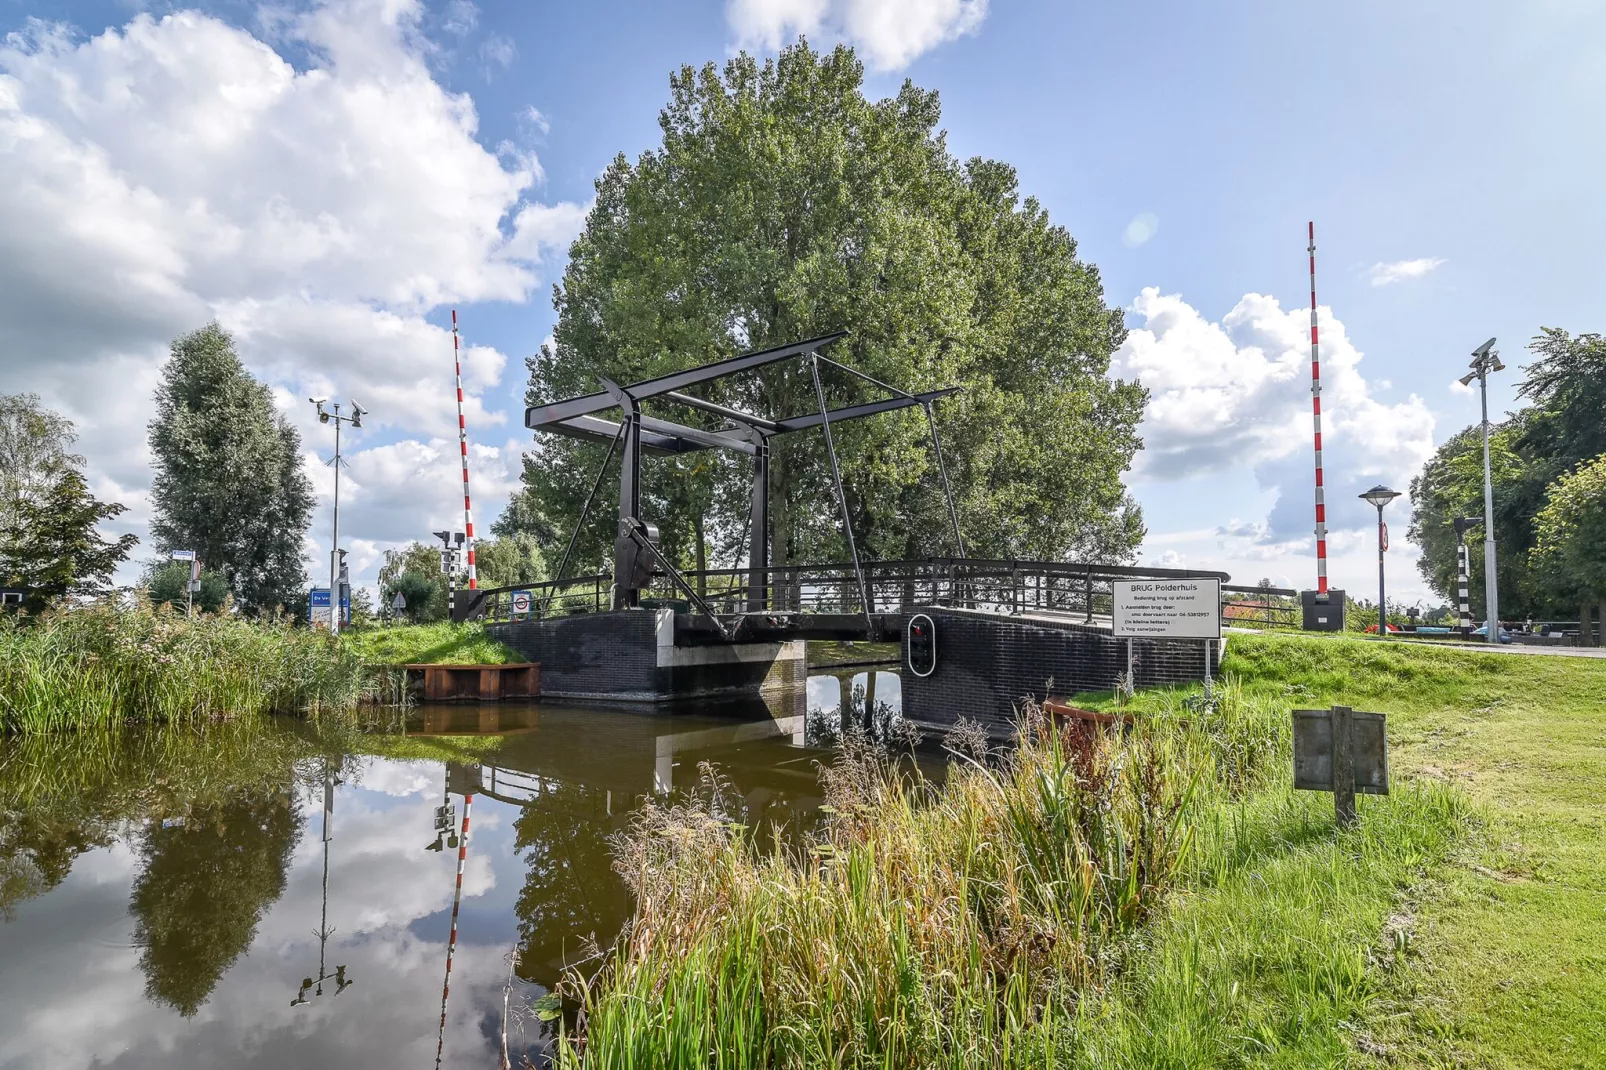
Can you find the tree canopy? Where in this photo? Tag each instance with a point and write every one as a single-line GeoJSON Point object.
{"type": "Point", "coordinates": [1570, 535]}
{"type": "Point", "coordinates": [228, 483]}
{"type": "Point", "coordinates": [50, 541]}
{"type": "Point", "coordinates": [1558, 430]}
{"type": "Point", "coordinates": [783, 204]}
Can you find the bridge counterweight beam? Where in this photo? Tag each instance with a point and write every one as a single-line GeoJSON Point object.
{"type": "Point", "coordinates": [759, 550]}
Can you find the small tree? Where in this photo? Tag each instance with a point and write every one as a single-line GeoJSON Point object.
{"type": "Point", "coordinates": [53, 548]}
{"type": "Point", "coordinates": [166, 582]}
{"type": "Point", "coordinates": [422, 595]}
{"type": "Point", "coordinates": [511, 559]}
{"type": "Point", "coordinates": [415, 571]}
{"type": "Point", "coordinates": [1570, 540]}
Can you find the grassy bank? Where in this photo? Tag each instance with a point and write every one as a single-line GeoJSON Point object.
{"type": "Point", "coordinates": [1166, 900]}
{"type": "Point", "coordinates": [104, 665]}
{"type": "Point", "coordinates": [438, 643]}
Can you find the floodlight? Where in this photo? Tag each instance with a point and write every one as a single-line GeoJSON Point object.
{"type": "Point", "coordinates": [1483, 350]}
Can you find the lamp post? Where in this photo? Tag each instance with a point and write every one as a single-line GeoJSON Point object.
{"type": "Point", "coordinates": [355, 420]}
{"type": "Point", "coordinates": [1381, 496]}
{"type": "Point", "coordinates": [1485, 360]}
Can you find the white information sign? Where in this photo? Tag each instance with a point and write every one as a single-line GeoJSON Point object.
{"type": "Point", "coordinates": [1172, 609]}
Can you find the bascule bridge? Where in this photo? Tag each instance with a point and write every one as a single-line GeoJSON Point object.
{"type": "Point", "coordinates": [648, 631]}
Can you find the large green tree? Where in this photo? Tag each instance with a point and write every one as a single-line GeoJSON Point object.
{"type": "Point", "coordinates": [50, 541]}
{"type": "Point", "coordinates": [1570, 540]}
{"type": "Point", "coordinates": [1450, 486]}
{"type": "Point", "coordinates": [1559, 428]}
{"type": "Point", "coordinates": [782, 204]}
{"type": "Point", "coordinates": [229, 483]}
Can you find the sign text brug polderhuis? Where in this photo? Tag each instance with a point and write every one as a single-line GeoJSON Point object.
{"type": "Point", "coordinates": [1178, 609]}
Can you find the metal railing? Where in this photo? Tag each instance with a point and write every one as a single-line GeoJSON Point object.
{"type": "Point", "coordinates": [1057, 588]}
{"type": "Point", "coordinates": [1260, 607]}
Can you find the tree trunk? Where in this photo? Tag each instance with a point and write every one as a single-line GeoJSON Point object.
{"type": "Point", "coordinates": [1600, 636]}
{"type": "Point", "coordinates": [1585, 612]}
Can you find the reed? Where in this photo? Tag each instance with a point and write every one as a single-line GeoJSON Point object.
{"type": "Point", "coordinates": [105, 664]}
{"type": "Point", "coordinates": [926, 925]}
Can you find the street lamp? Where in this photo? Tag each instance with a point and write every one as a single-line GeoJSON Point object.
{"type": "Point", "coordinates": [355, 420]}
{"type": "Point", "coordinates": [1485, 360]}
{"type": "Point", "coordinates": [1381, 496]}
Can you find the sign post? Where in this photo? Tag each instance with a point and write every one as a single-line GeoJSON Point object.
{"type": "Point", "coordinates": [1343, 751]}
{"type": "Point", "coordinates": [1168, 609]}
{"type": "Point", "coordinates": [194, 583]}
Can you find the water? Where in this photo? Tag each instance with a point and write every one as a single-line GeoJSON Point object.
{"type": "Point", "coordinates": [282, 897]}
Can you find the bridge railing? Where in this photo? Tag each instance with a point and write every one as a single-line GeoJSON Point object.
{"type": "Point", "coordinates": [1058, 588]}
{"type": "Point", "coordinates": [1260, 607]}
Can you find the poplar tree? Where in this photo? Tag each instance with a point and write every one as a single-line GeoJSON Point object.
{"type": "Point", "coordinates": [229, 483]}
{"type": "Point", "coordinates": [783, 204]}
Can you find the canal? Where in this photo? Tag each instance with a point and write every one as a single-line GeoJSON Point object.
{"type": "Point", "coordinates": [282, 895]}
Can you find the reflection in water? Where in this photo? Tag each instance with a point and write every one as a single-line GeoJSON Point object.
{"type": "Point", "coordinates": [162, 871]}
{"type": "Point", "coordinates": [341, 981]}
{"type": "Point", "coordinates": [206, 880]}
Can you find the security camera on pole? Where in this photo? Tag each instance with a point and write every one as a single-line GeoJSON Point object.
{"type": "Point", "coordinates": [1485, 360]}
{"type": "Point", "coordinates": [335, 555]}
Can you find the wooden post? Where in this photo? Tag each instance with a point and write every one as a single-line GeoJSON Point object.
{"type": "Point", "coordinates": [1343, 767]}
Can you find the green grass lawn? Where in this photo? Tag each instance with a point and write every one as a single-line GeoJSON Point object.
{"type": "Point", "coordinates": [1463, 924]}
{"type": "Point", "coordinates": [438, 643]}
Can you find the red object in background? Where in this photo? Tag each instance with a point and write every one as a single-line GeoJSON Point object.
{"type": "Point", "coordinates": [1393, 629]}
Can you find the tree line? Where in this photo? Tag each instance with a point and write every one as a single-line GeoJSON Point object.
{"type": "Point", "coordinates": [1548, 468]}
{"type": "Point", "coordinates": [228, 483]}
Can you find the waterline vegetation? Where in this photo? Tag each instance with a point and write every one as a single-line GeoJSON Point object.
{"type": "Point", "coordinates": [108, 664]}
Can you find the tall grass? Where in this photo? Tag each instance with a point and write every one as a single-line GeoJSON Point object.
{"type": "Point", "coordinates": [107, 664]}
{"type": "Point", "coordinates": [951, 925]}
{"type": "Point", "coordinates": [1092, 898]}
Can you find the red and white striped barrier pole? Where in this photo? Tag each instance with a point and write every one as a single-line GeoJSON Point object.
{"type": "Point", "coordinates": [462, 445]}
{"type": "Point", "coordinates": [1316, 418]}
{"type": "Point", "coordinates": [451, 941]}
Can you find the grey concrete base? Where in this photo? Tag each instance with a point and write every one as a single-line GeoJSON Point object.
{"type": "Point", "coordinates": [630, 656]}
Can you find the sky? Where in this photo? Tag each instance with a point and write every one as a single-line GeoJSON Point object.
{"type": "Point", "coordinates": [329, 180]}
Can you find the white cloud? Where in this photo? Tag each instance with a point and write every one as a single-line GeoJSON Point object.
{"type": "Point", "coordinates": [498, 49]}
{"type": "Point", "coordinates": [1143, 227]}
{"type": "Point", "coordinates": [1394, 271]}
{"type": "Point", "coordinates": [891, 34]}
{"type": "Point", "coordinates": [174, 170]}
{"type": "Point", "coordinates": [1232, 398]}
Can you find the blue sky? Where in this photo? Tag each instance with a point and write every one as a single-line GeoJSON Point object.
{"type": "Point", "coordinates": [330, 179]}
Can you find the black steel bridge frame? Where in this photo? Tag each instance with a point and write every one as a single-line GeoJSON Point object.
{"type": "Point", "coordinates": [743, 432]}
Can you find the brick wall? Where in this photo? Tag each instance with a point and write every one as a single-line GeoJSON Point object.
{"type": "Point", "coordinates": [987, 663]}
